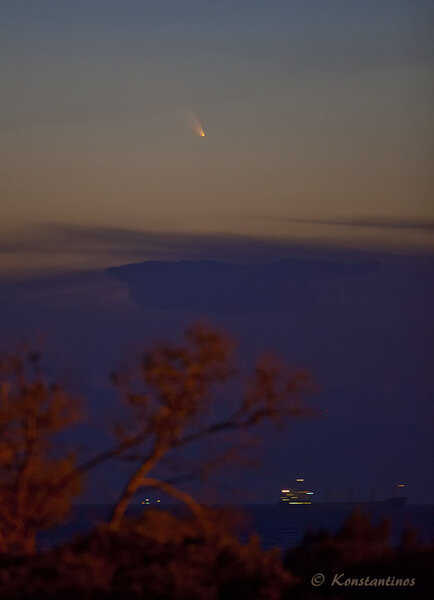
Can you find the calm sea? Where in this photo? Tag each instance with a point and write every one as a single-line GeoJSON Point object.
{"type": "Point", "coordinates": [277, 526]}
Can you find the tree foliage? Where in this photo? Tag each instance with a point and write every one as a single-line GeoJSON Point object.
{"type": "Point", "coordinates": [172, 398]}
{"type": "Point", "coordinates": [171, 393]}
{"type": "Point", "coordinates": [32, 413]}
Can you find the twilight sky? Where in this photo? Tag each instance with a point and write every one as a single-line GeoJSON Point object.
{"type": "Point", "coordinates": [318, 122]}
{"type": "Point", "coordinates": [319, 141]}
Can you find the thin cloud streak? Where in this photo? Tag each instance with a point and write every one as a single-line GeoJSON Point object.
{"type": "Point", "coordinates": [98, 247]}
{"type": "Point", "coordinates": [368, 222]}
{"type": "Point", "coordinates": [112, 245]}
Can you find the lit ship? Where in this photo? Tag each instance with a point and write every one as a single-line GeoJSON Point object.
{"type": "Point", "coordinates": [295, 496]}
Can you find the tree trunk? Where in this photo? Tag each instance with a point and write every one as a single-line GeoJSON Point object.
{"type": "Point", "coordinates": [132, 486]}
{"type": "Point", "coordinates": [124, 500]}
{"type": "Point", "coordinates": [29, 543]}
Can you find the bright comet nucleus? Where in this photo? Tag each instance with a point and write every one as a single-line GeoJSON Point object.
{"type": "Point", "coordinates": [195, 125]}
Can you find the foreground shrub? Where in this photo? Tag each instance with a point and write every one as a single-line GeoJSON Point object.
{"type": "Point", "coordinates": [356, 551]}
{"type": "Point", "coordinates": [155, 557]}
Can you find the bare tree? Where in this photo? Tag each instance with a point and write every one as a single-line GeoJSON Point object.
{"type": "Point", "coordinates": [32, 412]}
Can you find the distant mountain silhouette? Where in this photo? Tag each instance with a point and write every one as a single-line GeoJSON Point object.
{"type": "Point", "coordinates": [220, 287]}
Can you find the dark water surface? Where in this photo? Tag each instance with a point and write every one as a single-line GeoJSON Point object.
{"type": "Point", "coordinates": [277, 526]}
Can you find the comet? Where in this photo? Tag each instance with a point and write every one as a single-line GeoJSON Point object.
{"type": "Point", "coordinates": [195, 125]}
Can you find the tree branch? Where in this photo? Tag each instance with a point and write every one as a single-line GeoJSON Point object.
{"type": "Point", "coordinates": [194, 506]}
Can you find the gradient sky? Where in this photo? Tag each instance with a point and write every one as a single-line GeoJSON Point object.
{"type": "Point", "coordinates": [319, 143]}
{"type": "Point", "coordinates": [318, 120]}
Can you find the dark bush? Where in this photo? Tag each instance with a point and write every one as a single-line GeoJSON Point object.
{"type": "Point", "coordinates": [156, 557]}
